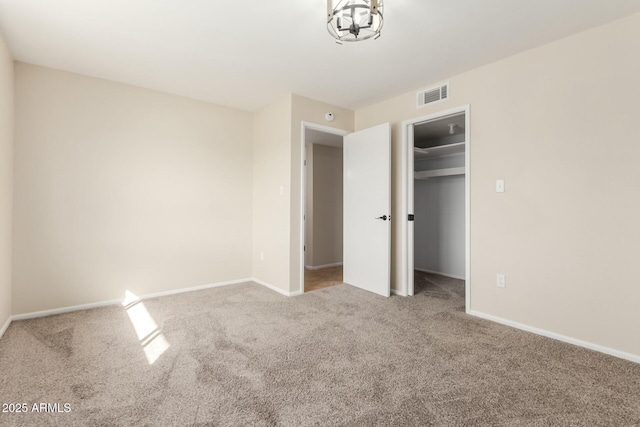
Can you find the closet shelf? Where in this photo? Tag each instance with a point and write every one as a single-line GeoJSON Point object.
{"type": "Point", "coordinates": [438, 173]}
{"type": "Point", "coordinates": [437, 151]}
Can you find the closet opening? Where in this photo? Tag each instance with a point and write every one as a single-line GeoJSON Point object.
{"type": "Point", "coordinates": [438, 205]}
{"type": "Point", "coordinates": [323, 208]}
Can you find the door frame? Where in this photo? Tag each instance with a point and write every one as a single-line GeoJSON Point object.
{"type": "Point", "coordinates": [303, 185]}
{"type": "Point", "coordinates": [406, 241]}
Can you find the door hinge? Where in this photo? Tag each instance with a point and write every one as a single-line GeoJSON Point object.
{"type": "Point", "coordinates": [305, 163]}
{"type": "Point", "coordinates": [412, 217]}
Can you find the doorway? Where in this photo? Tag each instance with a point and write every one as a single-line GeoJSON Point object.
{"type": "Point", "coordinates": [366, 207]}
{"type": "Point", "coordinates": [436, 189]}
{"type": "Point", "coordinates": [323, 208]}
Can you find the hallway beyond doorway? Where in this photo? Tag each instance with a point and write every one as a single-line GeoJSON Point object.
{"type": "Point", "coordinates": [323, 278]}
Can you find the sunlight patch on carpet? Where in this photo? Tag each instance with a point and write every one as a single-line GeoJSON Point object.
{"type": "Point", "coordinates": [149, 334]}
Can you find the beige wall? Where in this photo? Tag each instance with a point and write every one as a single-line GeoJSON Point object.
{"type": "Point", "coordinates": [271, 193]}
{"type": "Point", "coordinates": [6, 179]}
{"type": "Point", "coordinates": [308, 110]}
{"type": "Point", "coordinates": [327, 205]}
{"type": "Point", "coordinates": [120, 188]}
{"type": "Point", "coordinates": [559, 124]}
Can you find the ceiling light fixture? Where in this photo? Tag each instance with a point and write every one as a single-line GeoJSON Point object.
{"type": "Point", "coordinates": [354, 20]}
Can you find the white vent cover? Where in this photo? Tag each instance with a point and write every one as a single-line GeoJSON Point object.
{"type": "Point", "coordinates": [435, 94]}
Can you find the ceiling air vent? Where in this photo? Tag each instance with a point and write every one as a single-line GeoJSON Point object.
{"type": "Point", "coordinates": [436, 94]}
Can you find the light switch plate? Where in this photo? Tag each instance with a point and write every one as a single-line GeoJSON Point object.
{"type": "Point", "coordinates": [500, 186]}
{"type": "Point", "coordinates": [501, 281]}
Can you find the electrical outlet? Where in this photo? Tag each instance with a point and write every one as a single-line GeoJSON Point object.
{"type": "Point", "coordinates": [500, 186]}
{"type": "Point", "coordinates": [261, 256]}
{"type": "Point", "coordinates": [501, 281]}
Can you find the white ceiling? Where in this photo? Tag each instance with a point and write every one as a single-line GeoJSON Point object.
{"type": "Point", "coordinates": [249, 53]}
{"type": "Point", "coordinates": [437, 129]}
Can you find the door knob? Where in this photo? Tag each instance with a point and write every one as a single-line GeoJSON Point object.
{"type": "Point", "coordinates": [383, 217]}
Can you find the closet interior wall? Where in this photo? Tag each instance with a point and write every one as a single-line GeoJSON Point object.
{"type": "Point", "coordinates": [439, 203]}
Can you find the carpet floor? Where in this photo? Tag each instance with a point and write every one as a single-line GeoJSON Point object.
{"type": "Point", "coordinates": [244, 355]}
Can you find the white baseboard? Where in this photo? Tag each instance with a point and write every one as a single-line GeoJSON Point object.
{"type": "Point", "coordinates": [320, 267]}
{"type": "Point", "coordinates": [69, 309]}
{"type": "Point", "coordinates": [195, 288]}
{"type": "Point", "coordinates": [44, 313]}
{"type": "Point", "coordinates": [277, 289]}
{"type": "Point", "coordinates": [591, 346]}
{"type": "Point", "coordinates": [5, 326]}
{"type": "Point", "coordinates": [452, 276]}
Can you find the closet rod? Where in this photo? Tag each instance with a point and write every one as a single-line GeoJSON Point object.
{"type": "Point", "coordinates": [439, 173]}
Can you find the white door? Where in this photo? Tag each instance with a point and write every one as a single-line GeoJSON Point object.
{"type": "Point", "coordinates": [367, 209]}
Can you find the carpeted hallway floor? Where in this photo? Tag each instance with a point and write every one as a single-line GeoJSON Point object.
{"type": "Point", "coordinates": [244, 355]}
